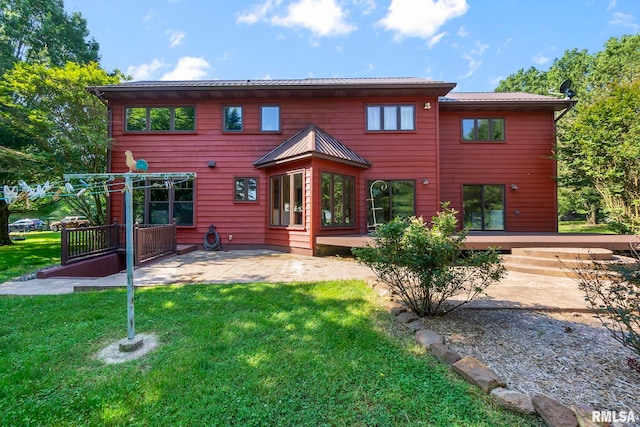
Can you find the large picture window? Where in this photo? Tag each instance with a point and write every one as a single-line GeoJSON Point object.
{"type": "Point", "coordinates": [483, 207]}
{"type": "Point", "coordinates": [287, 199]}
{"type": "Point", "coordinates": [388, 199]}
{"type": "Point", "coordinates": [338, 195]}
{"type": "Point", "coordinates": [160, 203]}
{"type": "Point", "coordinates": [160, 119]}
{"type": "Point", "coordinates": [391, 117]}
{"type": "Point", "coordinates": [483, 129]}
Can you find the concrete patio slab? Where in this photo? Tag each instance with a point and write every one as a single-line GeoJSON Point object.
{"type": "Point", "coordinates": [515, 291]}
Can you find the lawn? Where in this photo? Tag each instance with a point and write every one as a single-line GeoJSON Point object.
{"type": "Point", "coordinates": [38, 250]}
{"type": "Point", "coordinates": [302, 354]}
{"type": "Point", "coordinates": [583, 227]}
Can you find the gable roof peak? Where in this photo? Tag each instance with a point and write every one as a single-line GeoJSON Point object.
{"type": "Point", "coordinates": [310, 142]}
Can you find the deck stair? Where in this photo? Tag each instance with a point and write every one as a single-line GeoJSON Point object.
{"type": "Point", "coordinates": [556, 262]}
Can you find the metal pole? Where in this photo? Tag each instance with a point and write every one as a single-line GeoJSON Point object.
{"type": "Point", "coordinates": [128, 197]}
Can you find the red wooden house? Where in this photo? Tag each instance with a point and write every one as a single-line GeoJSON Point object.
{"type": "Point", "coordinates": [280, 163]}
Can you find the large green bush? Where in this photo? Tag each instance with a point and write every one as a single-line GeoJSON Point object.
{"type": "Point", "coordinates": [427, 265]}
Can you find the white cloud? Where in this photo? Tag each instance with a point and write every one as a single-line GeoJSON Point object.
{"type": "Point", "coordinates": [435, 39]}
{"type": "Point", "coordinates": [471, 57]}
{"type": "Point", "coordinates": [151, 18]}
{"type": "Point", "coordinates": [175, 37]}
{"type": "Point", "coordinates": [540, 59]}
{"type": "Point", "coordinates": [145, 71]}
{"type": "Point", "coordinates": [324, 18]}
{"type": "Point", "coordinates": [462, 32]}
{"type": "Point", "coordinates": [367, 6]}
{"type": "Point", "coordinates": [624, 19]}
{"type": "Point", "coordinates": [188, 68]}
{"type": "Point", "coordinates": [612, 4]}
{"type": "Point", "coordinates": [258, 12]}
{"type": "Point", "coordinates": [421, 18]}
{"type": "Point", "coordinates": [474, 64]}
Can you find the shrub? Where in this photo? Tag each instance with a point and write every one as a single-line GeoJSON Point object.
{"type": "Point", "coordinates": [427, 266]}
{"type": "Point", "coordinates": [613, 292]}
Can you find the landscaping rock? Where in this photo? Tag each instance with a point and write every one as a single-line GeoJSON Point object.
{"type": "Point", "coordinates": [396, 308]}
{"type": "Point", "coordinates": [407, 317]}
{"type": "Point", "coordinates": [444, 353]}
{"type": "Point", "coordinates": [416, 326]}
{"type": "Point", "coordinates": [478, 373]}
{"type": "Point", "coordinates": [514, 400]}
{"type": "Point", "coordinates": [554, 413]}
{"type": "Point", "coordinates": [427, 337]}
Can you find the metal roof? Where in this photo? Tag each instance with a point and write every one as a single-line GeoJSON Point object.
{"type": "Point", "coordinates": [311, 142]}
{"type": "Point", "coordinates": [328, 87]}
{"type": "Point", "coordinates": [471, 101]}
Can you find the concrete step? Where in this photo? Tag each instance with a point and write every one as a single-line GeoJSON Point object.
{"type": "Point", "coordinates": [565, 253]}
{"type": "Point", "coordinates": [534, 261]}
{"type": "Point", "coordinates": [556, 262]}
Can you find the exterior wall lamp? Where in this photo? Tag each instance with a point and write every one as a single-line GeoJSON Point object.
{"type": "Point", "coordinates": [425, 181]}
{"type": "Point", "coordinates": [211, 164]}
{"type": "Point", "coordinates": [514, 186]}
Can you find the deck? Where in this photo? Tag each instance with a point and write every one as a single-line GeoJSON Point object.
{"type": "Point", "coordinates": [508, 241]}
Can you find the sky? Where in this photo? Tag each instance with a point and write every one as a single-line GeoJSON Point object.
{"type": "Point", "coordinates": [474, 43]}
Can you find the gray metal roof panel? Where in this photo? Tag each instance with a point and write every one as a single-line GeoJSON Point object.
{"type": "Point", "coordinates": [311, 141]}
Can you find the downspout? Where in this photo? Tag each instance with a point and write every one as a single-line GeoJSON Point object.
{"type": "Point", "coordinates": [565, 111]}
{"type": "Point", "coordinates": [555, 131]}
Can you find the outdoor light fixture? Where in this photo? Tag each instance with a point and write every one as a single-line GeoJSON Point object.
{"type": "Point", "coordinates": [514, 187]}
{"type": "Point", "coordinates": [425, 181]}
{"type": "Point", "coordinates": [211, 164]}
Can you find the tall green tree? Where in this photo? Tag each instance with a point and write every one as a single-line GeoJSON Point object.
{"type": "Point", "coordinates": [40, 31]}
{"type": "Point", "coordinates": [605, 144]}
{"type": "Point", "coordinates": [34, 32]}
{"type": "Point", "coordinates": [65, 124]}
{"type": "Point", "coordinates": [595, 77]}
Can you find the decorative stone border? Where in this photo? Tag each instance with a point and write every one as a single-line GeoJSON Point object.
{"type": "Point", "coordinates": [554, 413]}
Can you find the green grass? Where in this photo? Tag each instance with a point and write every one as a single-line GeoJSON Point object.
{"type": "Point", "coordinates": [583, 227]}
{"type": "Point", "coordinates": [304, 354]}
{"type": "Point", "coordinates": [38, 250]}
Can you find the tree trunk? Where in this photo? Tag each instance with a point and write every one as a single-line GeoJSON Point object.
{"type": "Point", "coordinates": [592, 217]}
{"type": "Point", "coordinates": [4, 224]}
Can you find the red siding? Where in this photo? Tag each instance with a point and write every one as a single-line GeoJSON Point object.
{"type": "Point", "coordinates": [523, 159]}
{"type": "Point", "coordinates": [407, 155]}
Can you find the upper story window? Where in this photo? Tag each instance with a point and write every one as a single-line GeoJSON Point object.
{"type": "Point", "coordinates": [160, 119]}
{"type": "Point", "coordinates": [483, 129]}
{"type": "Point", "coordinates": [232, 119]}
{"type": "Point", "coordinates": [270, 118]}
{"type": "Point", "coordinates": [391, 117]}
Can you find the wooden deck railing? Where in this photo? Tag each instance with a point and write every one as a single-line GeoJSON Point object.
{"type": "Point", "coordinates": [149, 241]}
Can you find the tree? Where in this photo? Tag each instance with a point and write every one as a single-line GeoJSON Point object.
{"type": "Point", "coordinates": [65, 126]}
{"type": "Point", "coordinates": [36, 32]}
{"type": "Point", "coordinates": [593, 76]}
{"type": "Point", "coordinates": [40, 31]}
{"type": "Point", "coordinates": [605, 143]}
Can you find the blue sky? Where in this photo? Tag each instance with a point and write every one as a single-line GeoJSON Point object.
{"type": "Point", "coordinates": [474, 43]}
